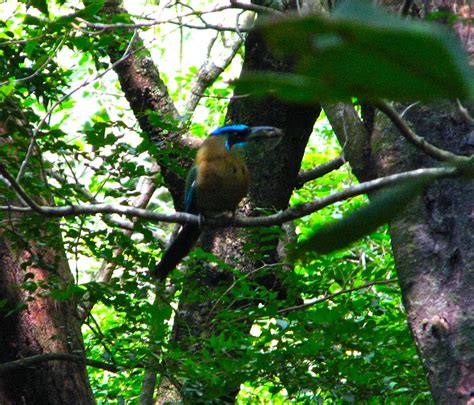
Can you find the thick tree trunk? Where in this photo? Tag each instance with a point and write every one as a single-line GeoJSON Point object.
{"type": "Point", "coordinates": [32, 322]}
{"type": "Point", "coordinates": [433, 245]}
{"type": "Point", "coordinates": [433, 241]}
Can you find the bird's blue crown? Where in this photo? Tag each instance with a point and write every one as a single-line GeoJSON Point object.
{"type": "Point", "coordinates": [230, 129]}
{"type": "Point", "coordinates": [235, 135]}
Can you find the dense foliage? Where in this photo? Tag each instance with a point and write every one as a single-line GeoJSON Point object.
{"type": "Point", "coordinates": [347, 342]}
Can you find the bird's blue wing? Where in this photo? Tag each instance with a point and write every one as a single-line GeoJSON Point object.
{"type": "Point", "coordinates": [186, 237]}
{"type": "Point", "coordinates": [190, 190]}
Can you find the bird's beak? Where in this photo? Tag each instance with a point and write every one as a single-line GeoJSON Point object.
{"type": "Point", "coordinates": [264, 133]}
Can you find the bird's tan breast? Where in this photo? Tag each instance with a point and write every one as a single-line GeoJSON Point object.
{"type": "Point", "coordinates": [222, 180]}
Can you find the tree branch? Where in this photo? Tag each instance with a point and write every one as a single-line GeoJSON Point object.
{"type": "Point", "coordinates": [174, 20]}
{"type": "Point", "coordinates": [208, 73]}
{"type": "Point", "coordinates": [207, 26]}
{"type": "Point", "coordinates": [353, 136]}
{"type": "Point", "coordinates": [289, 214]}
{"type": "Point", "coordinates": [37, 71]}
{"type": "Point", "coordinates": [178, 20]}
{"type": "Point", "coordinates": [41, 358]}
{"type": "Point", "coordinates": [255, 8]}
{"type": "Point", "coordinates": [25, 198]}
{"type": "Point", "coordinates": [149, 98]}
{"type": "Point", "coordinates": [146, 189]}
{"type": "Point", "coordinates": [418, 141]}
{"type": "Point", "coordinates": [319, 171]}
{"type": "Point", "coordinates": [464, 113]}
{"type": "Point", "coordinates": [123, 224]}
{"type": "Point", "coordinates": [334, 295]}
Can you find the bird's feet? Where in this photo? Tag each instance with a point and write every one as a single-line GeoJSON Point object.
{"type": "Point", "coordinates": [220, 218]}
{"type": "Point", "coordinates": [226, 217]}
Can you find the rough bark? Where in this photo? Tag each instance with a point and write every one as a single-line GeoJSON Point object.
{"type": "Point", "coordinates": [44, 325]}
{"type": "Point", "coordinates": [433, 240]}
{"type": "Point", "coordinates": [352, 134]}
{"type": "Point", "coordinates": [146, 92]}
{"type": "Point", "coordinates": [34, 323]}
{"type": "Point", "coordinates": [433, 249]}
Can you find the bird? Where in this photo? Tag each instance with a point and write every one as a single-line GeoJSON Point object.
{"type": "Point", "coordinates": [215, 185]}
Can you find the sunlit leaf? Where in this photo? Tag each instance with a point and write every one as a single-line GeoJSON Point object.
{"type": "Point", "coordinates": [382, 209]}
{"type": "Point", "coordinates": [41, 5]}
{"type": "Point", "coordinates": [365, 52]}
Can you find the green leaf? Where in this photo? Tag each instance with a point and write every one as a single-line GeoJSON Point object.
{"type": "Point", "coordinates": [41, 5]}
{"type": "Point", "coordinates": [7, 89]}
{"type": "Point", "coordinates": [383, 208]}
{"type": "Point", "coordinates": [29, 47]}
{"type": "Point", "coordinates": [160, 313]}
{"type": "Point", "coordinates": [91, 9]}
{"type": "Point", "coordinates": [32, 20]}
{"type": "Point", "coordinates": [81, 42]}
{"type": "Point", "coordinates": [166, 123]}
{"type": "Point", "coordinates": [363, 51]}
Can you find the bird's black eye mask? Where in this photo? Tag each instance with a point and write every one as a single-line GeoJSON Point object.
{"type": "Point", "coordinates": [237, 139]}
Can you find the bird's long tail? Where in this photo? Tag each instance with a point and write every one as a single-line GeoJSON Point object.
{"type": "Point", "coordinates": [179, 248]}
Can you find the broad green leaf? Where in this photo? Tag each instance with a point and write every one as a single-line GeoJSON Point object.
{"type": "Point", "coordinates": [363, 51]}
{"type": "Point", "coordinates": [82, 42]}
{"type": "Point", "coordinates": [160, 313]}
{"type": "Point", "coordinates": [6, 89]}
{"type": "Point", "coordinates": [41, 5]}
{"type": "Point", "coordinates": [91, 8]}
{"type": "Point", "coordinates": [159, 121]}
{"type": "Point", "coordinates": [32, 20]}
{"type": "Point", "coordinates": [382, 209]}
{"type": "Point", "coordinates": [29, 47]}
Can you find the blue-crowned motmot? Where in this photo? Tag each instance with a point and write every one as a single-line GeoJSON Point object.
{"type": "Point", "coordinates": [216, 183]}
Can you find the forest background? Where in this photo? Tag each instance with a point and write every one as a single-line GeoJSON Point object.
{"type": "Point", "coordinates": [103, 106]}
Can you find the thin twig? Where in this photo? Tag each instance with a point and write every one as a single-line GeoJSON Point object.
{"type": "Point", "coordinates": [194, 13]}
{"type": "Point", "coordinates": [29, 152]}
{"type": "Point", "coordinates": [179, 19]}
{"type": "Point", "coordinates": [402, 114]}
{"type": "Point", "coordinates": [208, 73]}
{"type": "Point", "coordinates": [26, 199]}
{"type": "Point", "coordinates": [464, 113]}
{"type": "Point", "coordinates": [234, 283]}
{"type": "Point", "coordinates": [101, 337]}
{"type": "Point", "coordinates": [255, 8]}
{"type": "Point", "coordinates": [123, 224]}
{"type": "Point", "coordinates": [37, 71]}
{"type": "Point", "coordinates": [146, 189]}
{"type": "Point", "coordinates": [319, 171]}
{"type": "Point", "coordinates": [208, 26]}
{"type": "Point", "coordinates": [217, 97]}
{"type": "Point", "coordinates": [334, 295]}
{"type": "Point", "coordinates": [20, 41]}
